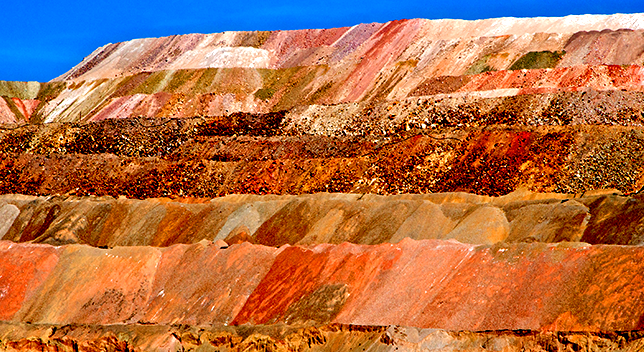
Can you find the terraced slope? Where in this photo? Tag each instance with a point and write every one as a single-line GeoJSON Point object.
{"type": "Point", "coordinates": [253, 154]}
{"type": "Point", "coordinates": [258, 72]}
{"type": "Point", "coordinates": [414, 185]}
{"type": "Point", "coordinates": [323, 218]}
{"type": "Point", "coordinates": [424, 284]}
{"type": "Point", "coordinates": [400, 107]}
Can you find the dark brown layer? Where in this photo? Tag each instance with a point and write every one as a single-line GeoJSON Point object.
{"type": "Point", "coordinates": [334, 337]}
{"type": "Point", "coordinates": [492, 160]}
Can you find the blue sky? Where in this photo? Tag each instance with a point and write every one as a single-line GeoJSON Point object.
{"type": "Point", "coordinates": [40, 40]}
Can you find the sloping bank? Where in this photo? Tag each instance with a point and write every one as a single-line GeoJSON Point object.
{"type": "Point", "coordinates": [424, 284]}
{"type": "Point", "coordinates": [600, 217]}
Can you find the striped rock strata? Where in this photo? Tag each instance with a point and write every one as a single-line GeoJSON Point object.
{"type": "Point", "coordinates": [323, 218]}
{"type": "Point", "coordinates": [258, 72]}
{"type": "Point", "coordinates": [154, 148]}
{"type": "Point", "coordinates": [424, 284]}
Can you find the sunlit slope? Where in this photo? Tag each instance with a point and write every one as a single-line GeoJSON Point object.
{"type": "Point", "coordinates": [324, 218]}
{"type": "Point", "coordinates": [415, 185]}
{"type": "Point", "coordinates": [424, 284]}
{"type": "Point", "coordinates": [218, 74]}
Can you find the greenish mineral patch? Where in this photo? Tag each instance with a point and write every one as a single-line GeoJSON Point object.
{"type": "Point", "coordinates": [480, 66]}
{"type": "Point", "coordinates": [205, 81]}
{"type": "Point", "coordinates": [153, 84]}
{"type": "Point", "coordinates": [178, 80]}
{"type": "Point", "coordinates": [22, 90]}
{"type": "Point", "coordinates": [50, 90]}
{"type": "Point", "coordinates": [274, 80]}
{"type": "Point", "coordinates": [320, 92]}
{"type": "Point", "coordinates": [253, 39]}
{"type": "Point", "coordinates": [264, 93]}
{"type": "Point", "coordinates": [125, 85]}
{"type": "Point", "coordinates": [296, 84]}
{"type": "Point", "coordinates": [537, 60]}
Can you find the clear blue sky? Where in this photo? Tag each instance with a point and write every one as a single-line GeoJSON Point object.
{"type": "Point", "coordinates": [43, 39]}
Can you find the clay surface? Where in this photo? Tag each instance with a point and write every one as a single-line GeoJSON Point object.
{"type": "Point", "coordinates": [425, 284]}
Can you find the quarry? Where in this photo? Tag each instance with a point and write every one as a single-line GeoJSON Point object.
{"type": "Point", "coordinates": [414, 185]}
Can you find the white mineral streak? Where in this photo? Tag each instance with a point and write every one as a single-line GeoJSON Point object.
{"type": "Point", "coordinates": [64, 101]}
{"type": "Point", "coordinates": [139, 55]}
{"type": "Point", "coordinates": [8, 213]}
{"type": "Point", "coordinates": [237, 57]}
{"type": "Point", "coordinates": [213, 51]}
{"type": "Point", "coordinates": [449, 29]}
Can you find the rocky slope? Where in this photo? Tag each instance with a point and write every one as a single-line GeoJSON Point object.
{"type": "Point", "coordinates": [424, 284]}
{"type": "Point", "coordinates": [252, 154]}
{"type": "Point", "coordinates": [258, 72]}
{"type": "Point", "coordinates": [414, 185]}
{"type": "Point", "coordinates": [332, 337]}
{"type": "Point", "coordinates": [323, 218]}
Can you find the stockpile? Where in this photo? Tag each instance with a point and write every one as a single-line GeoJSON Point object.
{"type": "Point", "coordinates": [411, 185]}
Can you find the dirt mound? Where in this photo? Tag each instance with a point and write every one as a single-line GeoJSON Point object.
{"type": "Point", "coordinates": [411, 185]}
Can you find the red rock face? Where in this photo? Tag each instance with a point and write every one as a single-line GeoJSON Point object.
{"type": "Point", "coordinates": [22, 271]}
{"type": "Point", "coordinates": [425, 284]}
{"type": "Point", "coordinates": [125, 276]}
{"type": "Point", "coordinates": [26, 107]}
{"type": "Point", "coordinates": [199, 285]}
{"type": "Point", "coordinates": [6, 115]}
{"type": "Point", "coordinates": [456, 287]}
{"type": "Point", "coordinates": [131, 284]}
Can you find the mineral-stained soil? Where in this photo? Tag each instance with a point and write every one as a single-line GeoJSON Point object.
{"type": "Point", "coordinates": [424, 284]}
{"type": "Point", "coordinates": [415, 185]}
{"type": "Point", "coordinates": [324, 218]}
{"type": "Point", "coordinates": [206, 159]}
